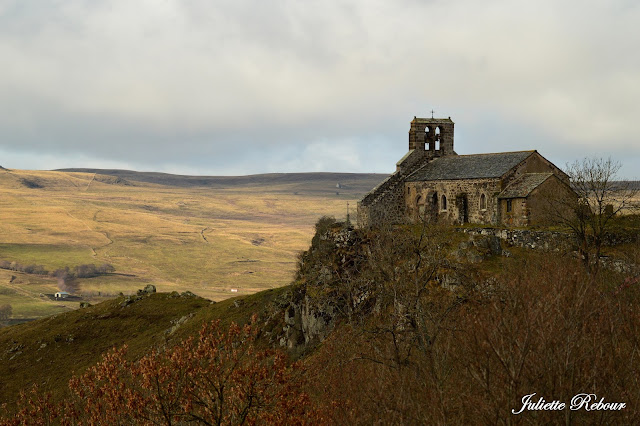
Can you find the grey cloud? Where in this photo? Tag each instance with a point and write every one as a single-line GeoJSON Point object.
{"type": "Point", "coordinates": [170, 83]}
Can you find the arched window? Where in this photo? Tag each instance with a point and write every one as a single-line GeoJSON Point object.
{"type": "Point", "coordinates": [444, 202]}
{"type": "Point", "coordinates": [483, 202]}
{"type": "Point", "coordinates": [434, 200]}
{"type": "Point", "coordinates": [427, 138]}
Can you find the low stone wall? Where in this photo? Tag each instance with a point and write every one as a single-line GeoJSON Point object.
{"type": "Point", "coordinates": [547, 240]}
{"type": "Point", "coordinates": [541, 240]}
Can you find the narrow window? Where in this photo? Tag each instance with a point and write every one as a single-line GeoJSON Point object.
{"type": "Point", "coordinates": [444, 202]}
{"type": "Point", "coordinates": [483, 202]}
{"type": "Point", "coordinates": [420, 206]}
{"type": "Point", "coordinates": [426, 138]}
{"type": "Point", "coordinates": [434, 200]}
{"type": "Point", "coordinates": [509, 206]}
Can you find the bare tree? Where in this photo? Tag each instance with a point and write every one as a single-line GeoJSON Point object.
{"type": "Point", "coordinates": [599, 197]}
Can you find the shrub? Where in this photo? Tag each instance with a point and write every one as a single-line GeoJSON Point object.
{"type": "Point", "coordinates": [218, 378]}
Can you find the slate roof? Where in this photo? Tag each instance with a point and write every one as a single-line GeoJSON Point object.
{"type": "Point", "coordinates": [475, 166]}
{"type": "Point", "coordinates": [522, 187]}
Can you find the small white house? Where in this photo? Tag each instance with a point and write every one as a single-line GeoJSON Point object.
{"type": "Point", "coordinates": [62, 295]}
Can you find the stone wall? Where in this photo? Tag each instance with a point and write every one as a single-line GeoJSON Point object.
{"type": "Point", "coordinates": [527, 238]}
{"type": "Point", "coordinates": [432, 134]}
{"type": "Point", "coordinates": [551, 240]}
{"type": "Point", "coordinates": [385, 203]}
{"type": "Point", "coordinates": [517, 216]}
{"type": "Point", "coordinates": [455, 191]}
{"type": "Point", "coordinates": [539, 203]}
{"type": "Point", "coordinates": [540, 207]}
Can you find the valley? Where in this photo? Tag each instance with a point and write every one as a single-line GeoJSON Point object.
{"type": "Point", "coordinates": [214, 236]}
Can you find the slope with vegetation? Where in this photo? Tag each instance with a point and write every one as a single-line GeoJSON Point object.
{"type": "Point", "coordinates": [406, 325]}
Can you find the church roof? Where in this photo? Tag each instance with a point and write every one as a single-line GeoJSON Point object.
{"type": "Point", "coordinates": [476, 166]}
{"type": "Point", "coordinates": [524, 185]}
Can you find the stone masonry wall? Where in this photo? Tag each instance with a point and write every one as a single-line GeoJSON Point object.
{"type": "Point", "coordinates": [519, 214]}
{"type": "Point", "coordinates": [385, 203]}
{"type": "Point", "coordinates": [454, 190]}
{"type": "Point", "coordinates": [542, 240]}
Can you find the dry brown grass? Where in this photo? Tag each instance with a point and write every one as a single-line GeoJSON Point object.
{"type": "Point", "coordinates": [204, 240]}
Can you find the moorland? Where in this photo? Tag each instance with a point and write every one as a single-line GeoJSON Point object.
{"type": "Point", "coordinates": [214, 236]}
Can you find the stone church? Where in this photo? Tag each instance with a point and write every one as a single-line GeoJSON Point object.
{"type": "Point", "coordinates": [432, 182]}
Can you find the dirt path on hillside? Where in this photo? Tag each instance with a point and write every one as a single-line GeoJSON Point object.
{"type": "Point", "coordinates": [89, 184]}
{"type": "Point", "coordinates": [202, 234]}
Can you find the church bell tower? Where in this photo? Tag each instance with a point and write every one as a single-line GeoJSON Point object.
{"type": "Point", "coordinates": [432, 135]}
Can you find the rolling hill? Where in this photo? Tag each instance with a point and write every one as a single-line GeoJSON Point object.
{"type": "Point", "coordinates": [348, 183]}
{"type": "Point", "coordinates": [216, 236]}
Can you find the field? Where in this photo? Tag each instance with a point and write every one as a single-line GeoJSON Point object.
{"type": "Point", "coordinates": [208, 236]}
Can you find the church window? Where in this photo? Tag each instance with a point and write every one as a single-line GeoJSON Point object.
{"type": "Point", "coordinates": [509, 206]}
{"type": "Point", "coordinates": [483, 202]}
{"type": "Point", "coordinates": [420, 206]}
{"type": "Point", "coordinates": [426, 138]}
{"type": "Point", "coordinates": [444, 202]}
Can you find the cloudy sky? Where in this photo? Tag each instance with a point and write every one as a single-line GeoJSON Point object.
{"type": "Point", "coordinates": [251, 86]}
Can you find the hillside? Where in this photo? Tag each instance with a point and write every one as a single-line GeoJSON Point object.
{"type": "Point", "coordinates": [233, 236]}
{"type": "Point", "coordinates": [47, 352]}
{"type": "Point", "coordinates": [349, 183]}
{"type": "Point", "coordinates": [382, 321]}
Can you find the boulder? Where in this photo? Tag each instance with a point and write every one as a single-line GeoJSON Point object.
{"type": "Point", "coordinates": [494, 245]}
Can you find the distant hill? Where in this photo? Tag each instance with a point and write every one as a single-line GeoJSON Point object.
{"type": "Point", "coordinates": [339, 182]}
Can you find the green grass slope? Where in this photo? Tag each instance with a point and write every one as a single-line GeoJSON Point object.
{"type": "Point", "coordinates": [47, 352]}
